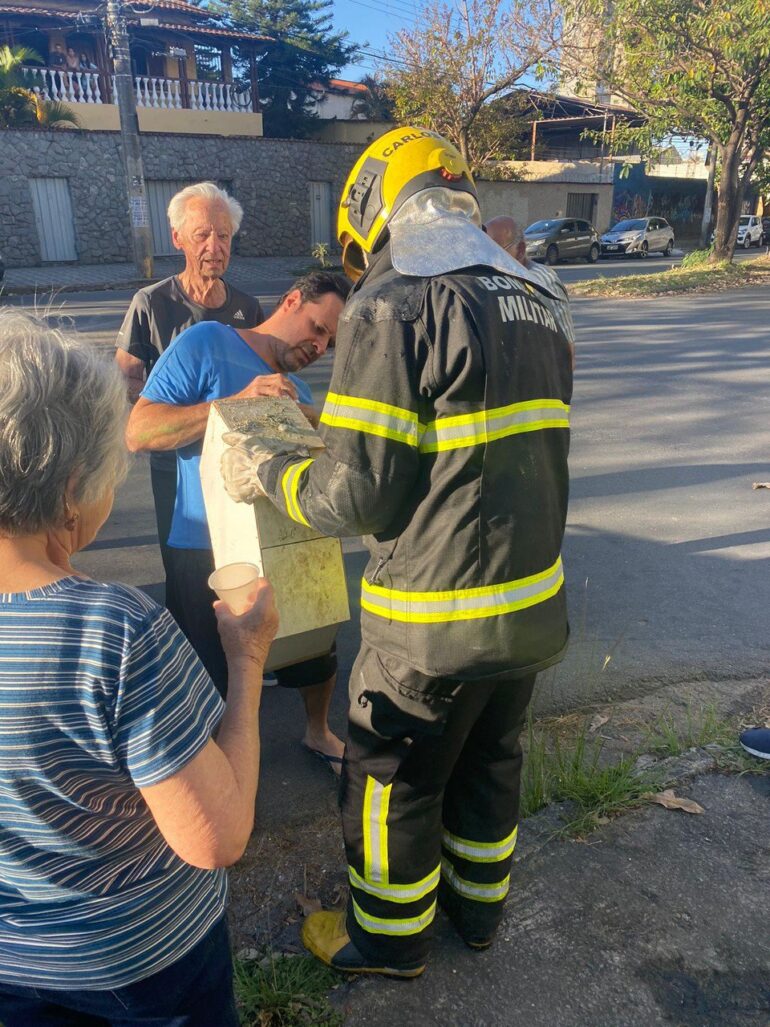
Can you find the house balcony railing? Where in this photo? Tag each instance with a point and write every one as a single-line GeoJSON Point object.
{"type": "Point", "coordinates": [159, 93]}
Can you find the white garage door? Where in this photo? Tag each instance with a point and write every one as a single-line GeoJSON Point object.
{"type": "Point", "coordinates": [53, 218]}
{"type": "Point", "coordinates": [158, 198]}
{"type": "Point", "coordinates": [320, 212]}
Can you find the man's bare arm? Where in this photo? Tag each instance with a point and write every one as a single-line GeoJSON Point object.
{"type": "Point", "coordinates": [132, 369]}
{"type": "Point", "coordinates": [163, 426]}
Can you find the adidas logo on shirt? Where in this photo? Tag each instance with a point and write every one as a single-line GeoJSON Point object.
{"type": "Point", "coordinates": [238, 316]}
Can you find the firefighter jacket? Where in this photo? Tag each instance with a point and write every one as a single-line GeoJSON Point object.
{"type": "Point", "coordinates": [447, 432]}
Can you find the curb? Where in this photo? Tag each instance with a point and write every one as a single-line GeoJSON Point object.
{"type": "Point", "coordinates": [38, 290]}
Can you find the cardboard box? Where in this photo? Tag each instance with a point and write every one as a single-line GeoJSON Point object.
{"type": "Point", "coordinates": [304, 567]}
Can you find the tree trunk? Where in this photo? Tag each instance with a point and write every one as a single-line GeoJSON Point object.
{"type": "Point", "coordinates": [729, 200]}
{"type": "Point", "coordinates": [463, 140]}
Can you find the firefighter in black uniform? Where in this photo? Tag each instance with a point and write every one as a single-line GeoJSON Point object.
{"type": "Point", "coordinates": [446, 430]}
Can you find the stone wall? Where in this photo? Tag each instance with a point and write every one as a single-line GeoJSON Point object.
{"type": "Point", "coordinates": [270, 178]}
{"type": "Point", "coordinates": [91, 163]}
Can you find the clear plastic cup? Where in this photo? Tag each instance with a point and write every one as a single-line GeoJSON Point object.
{"type": "Point", "coordinates": [234, 584]}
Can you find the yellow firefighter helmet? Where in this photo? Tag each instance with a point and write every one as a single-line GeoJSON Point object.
{"type": "Point", "coordinates": [396, 166]}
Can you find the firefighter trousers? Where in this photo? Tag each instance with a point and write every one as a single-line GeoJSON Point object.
{"type": "Point", "coordinates": [430, 803]}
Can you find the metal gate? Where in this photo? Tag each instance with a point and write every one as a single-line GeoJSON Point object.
{"type": "Point", "coordinates": [158, 198]}
{"type": "Point", "coordinates": [320, 213]}
{"type": "Point", "coordinates": [582, 205]}
{"type": "Point", "coordinates": [53, 218]}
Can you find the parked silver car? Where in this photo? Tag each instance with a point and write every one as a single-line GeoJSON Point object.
{"type": "Point", "coordinates": [561, 239]}
{"type": "Point", "coordinates": [638, 237]}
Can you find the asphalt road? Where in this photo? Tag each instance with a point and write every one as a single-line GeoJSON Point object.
{"type": "Point", "coordinates": [667, 544]}
{"type": "Point", "coordinates": [99, 314]}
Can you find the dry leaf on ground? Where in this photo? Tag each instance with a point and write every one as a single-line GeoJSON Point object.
{"type": "Point", "coordinates": [306, 904]}
{"type": "Point", "coordinates": [672, 801]}
{"type": "Point", "coordinates": [597, 722]}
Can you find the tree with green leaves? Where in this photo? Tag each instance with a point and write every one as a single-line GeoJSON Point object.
{"type": "Point", "coordinates": [694, 67]}
{"type": "Point", "coordinates": [305, 54]}
{"type": "Point", "coordinates": [456, 71]}
{"type": "Point", "coordinates": [21, 107]}
{"type": "Point", "coordinates": [376, 104]}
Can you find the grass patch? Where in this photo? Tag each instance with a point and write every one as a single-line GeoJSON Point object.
{"type": "Point", "coordinates": [670, 736]}
{"type": "Point", "coordinates": [565, 763]}
{"type": "Point", "coordinates": [697, 277]}
{"type": "Point", "coordinates": [574, 771]}
{"type": "Point", "coordinates": [285, 991]}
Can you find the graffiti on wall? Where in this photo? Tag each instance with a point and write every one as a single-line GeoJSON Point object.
{"type": "Point", "coordinates": [639, 195]}
{"type": "Point", "coordinates": [674, 207]}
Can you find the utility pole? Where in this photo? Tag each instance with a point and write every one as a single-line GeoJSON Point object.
{"type": "Point", "coordinates": [138, 211]}
{"type": "Point", "coordinates": [711, 160]}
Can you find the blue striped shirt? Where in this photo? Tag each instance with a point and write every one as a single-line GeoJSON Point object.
{"type": "Point", "coordinates": [100, 695]}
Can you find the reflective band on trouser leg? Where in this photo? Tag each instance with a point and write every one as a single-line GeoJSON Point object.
{"type": "Point", "coordinates": [480, 852]}
{"type": "Point", "coordinates": [494, 892]}
{"type": "Point", "coordinates": [373, 418]}
{"type": "Point", "coordinates": [485, 426]}
{"type": "Point", "coordinates": [396, 892]}
{"type": "Point", "coordinates": [392, 926]}
{"type": "Point", "coordinates": [373, 893]}
{"type": "Point", "coordinates": [290, 486]}
{"type": "Point", "coordinates": [375, 825]}
{"type": "Point", "coordinates": [463, 603]}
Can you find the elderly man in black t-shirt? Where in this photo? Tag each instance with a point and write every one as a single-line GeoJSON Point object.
{"type": "Point", "coordinates": [203, 221]}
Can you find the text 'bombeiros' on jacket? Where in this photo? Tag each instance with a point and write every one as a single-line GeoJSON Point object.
{"type": "Point", "coordinates": [447, 433]}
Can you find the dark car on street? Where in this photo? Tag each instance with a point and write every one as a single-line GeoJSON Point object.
{"type": "Point", "coordinates": [557, 239]}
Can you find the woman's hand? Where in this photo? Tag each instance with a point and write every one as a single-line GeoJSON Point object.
{"type": "Point", "coordinates": [246, 639]}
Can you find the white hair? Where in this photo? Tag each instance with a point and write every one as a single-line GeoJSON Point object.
{"type": "Point", "coordinates": [63, 409]}
{"type": "Point", "coordinates": [177, 208]}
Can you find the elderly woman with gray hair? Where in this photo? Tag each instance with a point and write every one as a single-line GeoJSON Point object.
{"type": "Point", "coordinates": [119, 805]}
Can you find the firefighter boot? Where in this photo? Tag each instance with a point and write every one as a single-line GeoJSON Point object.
{"type": "Point", "coordinates": [325, 935]}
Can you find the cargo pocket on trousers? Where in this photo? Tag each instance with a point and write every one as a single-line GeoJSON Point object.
{"type": "Point", "coordinates": [412, 701]}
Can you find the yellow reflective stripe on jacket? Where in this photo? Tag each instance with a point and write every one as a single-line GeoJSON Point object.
{"type": "Point", "coordinates": [375, 825]}
{"type": "Point", "coordinates": [395, 926]}
{"type": "Point", "coordinates": [480, 852]}
{"type": "Point", "coordinates": [498, 423]}
{"type": "Point", "coordinates": [495, 892]}
{"type": "Point", "coordinates": [372, 417]}
{"type": "Point", "coordinates": [462, 603]}
{"type": "Point", "coordinates": [290, 485]}
{"type": "Point", "coordinates": [396, 892]}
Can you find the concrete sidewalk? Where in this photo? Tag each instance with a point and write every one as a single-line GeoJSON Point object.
{"type": "Point", "coordinates": [659, 918]}
{"type": "Point", "coordinates": [252, 274]}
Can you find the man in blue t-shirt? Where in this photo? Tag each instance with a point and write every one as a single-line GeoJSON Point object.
{"type": "Point", "coordinates": [210, 361]}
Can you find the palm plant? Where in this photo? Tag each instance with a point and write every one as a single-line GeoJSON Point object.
{"type": "Point", "coordinates": [21, 107]}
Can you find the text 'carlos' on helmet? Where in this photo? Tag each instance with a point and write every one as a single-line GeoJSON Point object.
{"type": "Point", "coordinates": [396, 166]}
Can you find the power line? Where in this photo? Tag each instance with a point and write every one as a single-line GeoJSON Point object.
{"type": "Point", "coordinates": [381, 10]}
{"type": "Point", "coordinates": [396, 7]}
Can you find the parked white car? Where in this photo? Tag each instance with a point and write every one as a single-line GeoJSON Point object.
{"type": "Point", "coordinates": [638, 237]}
{"type": "Point", "coordinates": [749, 231]}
